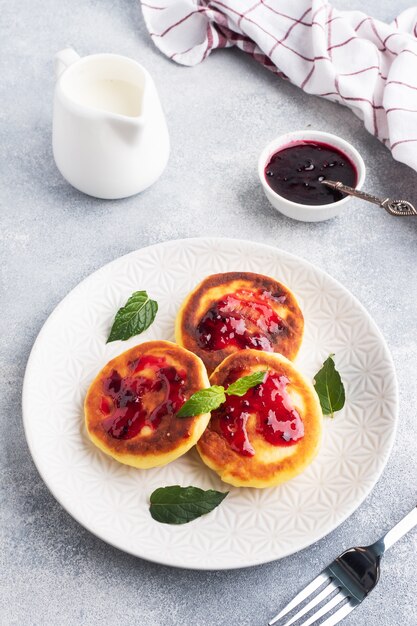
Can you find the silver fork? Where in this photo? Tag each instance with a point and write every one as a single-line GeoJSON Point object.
{"type": "Point", "coordinates": [346, 581]}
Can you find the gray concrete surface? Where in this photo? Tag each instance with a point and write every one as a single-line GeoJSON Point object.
{"type": "Point", "coordinates": [220, 115]}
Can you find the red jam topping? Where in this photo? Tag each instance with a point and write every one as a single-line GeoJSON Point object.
{"type": "Point", "coordinates": [244, 319]}
{"type": "Point", "coordinates": [277, 420]}
{"type": "Point", "coordinates": [124, 401]}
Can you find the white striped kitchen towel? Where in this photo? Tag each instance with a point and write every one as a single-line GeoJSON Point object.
{"type": "Point", "coordinates": [345, 56]}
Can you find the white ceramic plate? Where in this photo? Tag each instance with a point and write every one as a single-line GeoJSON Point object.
{"type": "Point", "coordinates": [251, 526]}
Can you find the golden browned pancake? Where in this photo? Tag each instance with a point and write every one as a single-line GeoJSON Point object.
{"type": "Point", "coordinates": [270, 434]}
{"type": "Point", "coordinates": [236, 311]}
{"type": "Point", "coordinates": [131, 406]}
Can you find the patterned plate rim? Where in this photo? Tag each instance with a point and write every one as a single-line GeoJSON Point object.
{"type": "Point", "coordinates": [174, 562]}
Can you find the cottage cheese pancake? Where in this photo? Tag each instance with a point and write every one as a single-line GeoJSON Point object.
{"type": "Point", "coordinates": [239, 310]}
{"type": "Point", "coordinates": [270, 434]}
{"type": "Point", "coordinates": [131, 406]}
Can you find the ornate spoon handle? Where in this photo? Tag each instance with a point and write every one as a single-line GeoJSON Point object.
{"type": "Point", "coordinates": [394, 207]}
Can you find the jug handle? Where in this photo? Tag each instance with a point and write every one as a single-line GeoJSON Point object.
{"type": "Point", "coordinates": [63, 59]}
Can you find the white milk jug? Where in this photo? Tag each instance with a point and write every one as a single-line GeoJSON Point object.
{"type": "Point", "coordinates": [110, 138]}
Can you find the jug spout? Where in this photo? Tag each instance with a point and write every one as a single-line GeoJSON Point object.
{"type": "Point", "coordinates": [129, 129]}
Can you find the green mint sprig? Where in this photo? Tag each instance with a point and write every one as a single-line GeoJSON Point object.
{"type": "Point", "coordinates": [180, 505]}
{"type": "Point", "coordinates": [136, 316]}
{"type": "Point", "coordinates": [211, 398]}
{"type": "Point", "coordinates": [329, 388]}
{"type": "Point", "coordinates": [242, 385]}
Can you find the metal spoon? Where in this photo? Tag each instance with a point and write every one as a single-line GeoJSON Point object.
{"type": "Point", "coordinates": [402, 208]}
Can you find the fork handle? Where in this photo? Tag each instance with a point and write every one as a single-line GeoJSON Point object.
{"type": "Point", "coordinates": [399, 530]}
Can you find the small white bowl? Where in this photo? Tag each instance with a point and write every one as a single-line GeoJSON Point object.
{"type": "Point", "coordinates": [306, 212]}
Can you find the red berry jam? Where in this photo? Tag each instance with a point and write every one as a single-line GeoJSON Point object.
{"type": "Point", "coordinates": [296, 172]}
{"type": "Point", "coordinates": [126, 401]}
{"type": "Point", "coordinates": [276, 419]}
{"type": "Point", "coordinates": [244, 319]}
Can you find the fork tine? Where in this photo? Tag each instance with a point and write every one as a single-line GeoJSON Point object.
{"type": "Point", "coordinates": [302, 595]}
{"type": "Point", "coordinates": [337, 599]}
{"type": "Point", "coordinates": [323, 577]}
{"type": "Point", "coordinates": [339, 615]}
{"type": "Point", "coordinates": [314, 602]}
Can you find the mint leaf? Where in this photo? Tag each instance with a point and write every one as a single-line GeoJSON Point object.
{"type": "Point", "coordinates": [209, 399]}
{"type": "Point", "coordinates": [179, 505]}
{"type": "Point", "coordinates": [242, 385]}
{"type": "Point", "coordinates": [329, 388]}
{"type": "Point", "coordinates": [136, 316]}
{"type": "Point", "coordinates": [203, 401]}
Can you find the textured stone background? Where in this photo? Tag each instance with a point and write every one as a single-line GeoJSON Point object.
{"type": "Point", "coordinates": [220, 115]}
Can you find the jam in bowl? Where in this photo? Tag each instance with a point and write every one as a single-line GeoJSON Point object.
{"type": "Point", "coordinates": [291, 170]}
